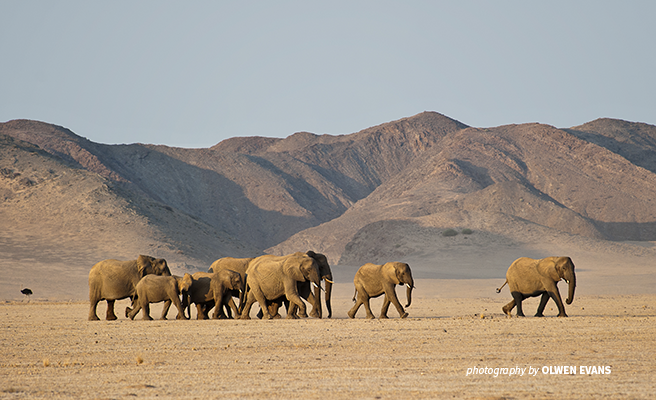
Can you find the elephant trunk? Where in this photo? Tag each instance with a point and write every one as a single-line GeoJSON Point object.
{"type": "Point", "coordinates": [572, 286]}
{"type": "Point", "coordinates": [329, 287]}
{"type": "Point", "coordinates": [408, 292]}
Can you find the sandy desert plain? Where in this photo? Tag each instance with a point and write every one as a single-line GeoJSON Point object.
{"type": "Point", "coordinates": [50, 350]}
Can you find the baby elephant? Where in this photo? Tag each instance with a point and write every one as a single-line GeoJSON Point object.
{"type": "Point", "coordinates": [155, 289]}
{"type": "Point", "coordinates": [373, 280]}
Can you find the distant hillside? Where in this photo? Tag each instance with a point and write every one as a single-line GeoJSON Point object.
{"type": "Point", "coordinates": [386, 192]}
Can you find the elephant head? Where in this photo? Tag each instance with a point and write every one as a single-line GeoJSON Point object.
{"type": "Point", "coordinates": [403, 276]}
{"type": "Point", "coordinates": [327, 276]}
{"type": "Point", "coordinates": [565, 269]}
{"type": "Point", "coordinates": [303, 268]}
{"type": "Point", "coordinates": [151, 265]}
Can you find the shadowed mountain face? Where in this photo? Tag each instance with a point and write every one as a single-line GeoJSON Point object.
{"type": "Point", "coordinates": [343, 195]}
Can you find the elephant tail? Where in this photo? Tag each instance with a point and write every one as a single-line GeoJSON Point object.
{"type": "Point", "coordinates": [504, 284]}
{"type": "Point", "coordinates": [355, 294]}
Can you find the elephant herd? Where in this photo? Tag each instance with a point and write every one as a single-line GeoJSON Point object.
{"type": "Point", "coordinates": [292, 280]}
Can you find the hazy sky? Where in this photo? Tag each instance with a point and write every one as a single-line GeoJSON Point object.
{"type": "Point", "coordinates": [192, 73]}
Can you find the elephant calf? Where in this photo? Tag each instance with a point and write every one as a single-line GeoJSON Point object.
{"type": "Point", "coordinates": [527, 277]}
{"type": "Point", "coordinates": [157, 288]}
{"type": "Point", "coordinates": [374, 280]}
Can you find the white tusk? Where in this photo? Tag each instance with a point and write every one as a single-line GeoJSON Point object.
{"type": "Point", "coordinates": [329, 281]}
{"type": "Point", "coordinates": [408, 285]}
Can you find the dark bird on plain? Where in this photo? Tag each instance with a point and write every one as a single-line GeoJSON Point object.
{"type": "Point", "coordinates": [27, 292]}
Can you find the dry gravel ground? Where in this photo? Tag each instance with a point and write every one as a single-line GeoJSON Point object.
{"type": "Point", "coordinates": [50, 350]}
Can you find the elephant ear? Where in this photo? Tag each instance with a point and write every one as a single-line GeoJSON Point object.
{"type": "Point", "coordinates": [400, 269]}
{"type": "Point", "coordinates": [297, 267]}
{"type": "Point", "coordinates": [143, 263]}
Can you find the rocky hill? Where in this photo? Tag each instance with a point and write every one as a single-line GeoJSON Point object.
{"type": "Point", "coordinates": [390, 191]}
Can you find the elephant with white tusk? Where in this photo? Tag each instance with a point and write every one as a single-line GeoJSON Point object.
{"type": "Point", "coordinates": [270, 277]}
{"type": "Point", "coordinates": [373, 280]}
{"type": "Point", "coordinates": [305, 290]}
{"type": "Point", "coordinates": [527, 277]}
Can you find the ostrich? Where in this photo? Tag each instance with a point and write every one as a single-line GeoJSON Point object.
{"type": "Point", "coordinates": [27, 292]}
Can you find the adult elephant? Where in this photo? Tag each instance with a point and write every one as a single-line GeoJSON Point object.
{"type": "Point", "coordinates": [158, 288]}
{"type": "Point", "coordinates": [527, 277]}
{"type": "Point", "coordinates": [305, 290]}
{"type": "Point", "coordinates": [373, 280]}
{"type": "Point", "coordinates": [112, 280]}
{"type": "Point", "coordinates": [239, 265]}
{"type": "Point", "coordinates": [270, 277]}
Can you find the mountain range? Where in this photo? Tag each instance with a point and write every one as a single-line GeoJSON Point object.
{"type": "Point", "coordinates": [426, 188]}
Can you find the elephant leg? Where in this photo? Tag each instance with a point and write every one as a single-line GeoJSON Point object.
{"type": "Point", "coordinates": [165, 310]}
{"type": "Point", "coordinates": [261, 299]}
{"type": "Point", "coordinates": [250, 300]}
{"type": "Point", "coordinates": [110, 316]}
{"type": "Point", "coordinates": [218, 308]}
{"type": "Point", "coordinates": [146, 311]}
{"type": "Point", "coordinates": [385, 308]}
{"type": "Point", "coordinates": [136, 307]}
{"type": "Point", "coordinates": [367, 307]}
{"type": "Point", "coordinates": [291, 293]}
{"type": "Point", "coordinates": [555, 295]}
{"type": "Point", "coordinates": [518, 298]}
{"type": "Point", "coordinates": [181, 309]}
{"type": "Point", "coordinates": [508, 308]}
{"type": "Point", "coordinates": [93, 304]}
{"type": "Point", "coordinates": [200, 311]}
{"type": "Point", "coordinates": [390, 296]}
{"type": "Point", "coordinates": [543, 303]}
{"type": "Point", "coordinates": [354, 309]}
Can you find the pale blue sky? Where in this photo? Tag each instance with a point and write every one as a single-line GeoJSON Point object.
{"type": "Point", "coordinates": [193, 73]}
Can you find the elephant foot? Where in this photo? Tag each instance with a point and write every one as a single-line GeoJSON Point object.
{"type": "Point", "coordinates": [127, 312]}
{"type": "Point", "coordinates": [521, 315]}
{"type": "Point", "coordinates": [370, 316]}
{"type": "Point", "coordinates": [506, 311]}
{"type": "Point", "coordinates": [245, 316]}
{"type": "Point", "coordinates": [562, 315]}
{"type": "Point", "coordinates": [351, 314]}
{"type": "Point", "coordinates": [404, 315]}
{"type": "Point", "coordinates": [112, 317]}
{"type": "Point", "coordinates": [315, 315]}
{"type": "Point", "coordinates": [163, 319]}
{"type": "Point", "coordinates": [539, 315]}
{"type": "Point", "coordinates": [383, 316]}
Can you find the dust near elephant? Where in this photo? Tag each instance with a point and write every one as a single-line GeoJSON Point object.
{"type": "Point", "coordinates": [158, 288]}
{"type": "Point", "coordinates": [270, 277]}
{"type": "Point", "coordinates": [373, 280]}
{"type": "Point", "coordinates": [112, 280]}
{"type": "Point", "coordinates": [527, 277]}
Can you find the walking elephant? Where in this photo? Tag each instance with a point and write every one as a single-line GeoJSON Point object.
{"type": "Point", "coordinates": [223, 284]}
{"type": "Point", "coordinates": [270, 277]}
{"type": "Point", "coordinates": [200, 294]}
{"type": "Point", "coordinates": [212, 290]}
{"type": "Point", "coordinates": [305, 291]}
{"type": "Point", "coordinates": [239, 265]}
{"type": "Point", "coordinates": [112, 280]}
{"type": "Point", "coordinates": [158, 288]}
{"type": "Point", "coordinates": [527, 277]}
{"type": "Point", "coordinates": [373, 280]}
